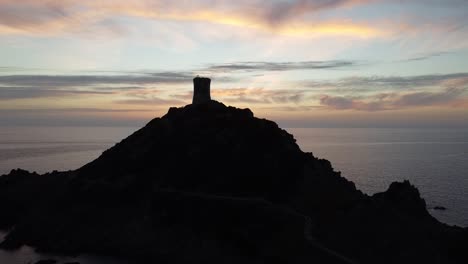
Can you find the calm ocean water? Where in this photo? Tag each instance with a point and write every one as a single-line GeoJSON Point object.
{"type": "Point", "coordinates": [435, 160]}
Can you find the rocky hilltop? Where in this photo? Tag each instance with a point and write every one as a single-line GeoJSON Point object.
{"type": "Point", "coordinates": [207, 183]}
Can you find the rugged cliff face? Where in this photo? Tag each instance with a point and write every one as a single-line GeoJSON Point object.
{"type": "Point", "coordinates": [213, 183]}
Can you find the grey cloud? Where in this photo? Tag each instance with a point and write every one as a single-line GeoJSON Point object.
{"type": "Point", "coordinates": [276, 12]}
{"type": "Point", "coordinates": [18, 92]}
{"type": "Point", "coordinates": [151, 101]}
{"type": "Point", "coordinates": [36, 86]}
{"type": "Point", "coordinates": [427, 56]}
{"type": "Point", "coordinates": [337, 102]}
{"type": "Point", "coordinates": [148, 97]}
{"type": "Point", "coordinates": [261, 96]}
{"type": "Point", "coordinates": [427, 98]}
{"type": "Point", "coordinates": [379, 102]}
{"type": "Point", "coordinates": [69, 110]}
{"type": "Point", "coordinates": [279, 66]}
{"type": "Point", "coordinates": [412, 81]}
{"type": "Point", "coordinates": [252, 95]}
{"type": "Point", "coordinates": [363, 84]}
{"type": "Point", "coordinates": [266, 95]}
{"type": "Point", "coordinates": [85, 80]}
{"type": "Point", "coordinates": [11, 93]}
{"type": "Point", "coordinates": [347, 103]}
{"type": "Point", "coordinates": [247, 100]}
{"type": "Point", "coordinates": [9, 69]}
{"type": "Point", "coordinates": [297, 108]}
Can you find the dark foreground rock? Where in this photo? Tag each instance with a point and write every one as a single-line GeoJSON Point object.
{"type": "Point", "coordinates": [213, 184]}
{"type": "Point", "coordinates": [46, 261]}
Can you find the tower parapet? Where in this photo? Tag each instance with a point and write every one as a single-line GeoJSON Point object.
{"type": "Point", "coordinates": [201, 90]}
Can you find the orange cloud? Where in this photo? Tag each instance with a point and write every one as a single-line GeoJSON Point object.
{"type": "Point", "coordinates": [53, 17]}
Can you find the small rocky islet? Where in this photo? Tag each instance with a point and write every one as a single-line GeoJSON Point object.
{"type": "Point", "coordinates": [209, 183]}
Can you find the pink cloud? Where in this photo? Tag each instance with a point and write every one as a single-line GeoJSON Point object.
{"type": "Point", "coordinates": [53, 17]}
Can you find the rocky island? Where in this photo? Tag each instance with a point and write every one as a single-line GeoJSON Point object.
{"type": "Point", "coordinates": [208, 183]}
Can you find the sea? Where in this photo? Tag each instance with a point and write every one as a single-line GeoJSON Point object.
{"type": "Point", "coordinates": [435, 160]}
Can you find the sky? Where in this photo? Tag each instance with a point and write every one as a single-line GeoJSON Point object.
{"type": "Point", "coordinates": [301, 63]}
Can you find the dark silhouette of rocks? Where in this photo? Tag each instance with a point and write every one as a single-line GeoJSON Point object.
{"type": "Point", "coordinates": [214, 184]}
{"type": "Point", "coordinates": [46, 261]}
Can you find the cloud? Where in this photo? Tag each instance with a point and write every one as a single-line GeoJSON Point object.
{"type": "Point", "coordinates": [298, 18]}
{"type": "Point", "coordinates": [44, 86]}
{"type": "Point", "coordinates": [149, 97]}
{"type": "Point", "coordinates": [454, 97]}
{"type": "Point", "coordinates": [337, 102]}
{"type": "Point", "coordinates": [68, 110]}
{"type": "Point", "coordinates": [27, 14]}
{"type": "Point", "coordinates": [374, 83]}
{"type": "Point", "coordinates": [10, 69]}
{"type": "Point", "coordinates": [377, 93]}
{"type": "Point", "coordinates": [130, 95]}
{"type": "Point", "coordinates": [283, 17]}
{"type": "Point", "coordinates": [427, 56]}
{"type": "Point", "coordinates": [276, 12]}
{"type": "Point", "coordinates": [86, 80]}
{"type": "Point", "coordinates": [151, 101]}
{"type": "Point", "coordinates": [403, 81]}
{"type": "Point", "coordinates": [73, 86]}
{"type": "Point", "coordinates": [448, 96]}
{"type": "Point", "coordinates": [279, 66]}
{"type": "Point", "coordinates": [12, 93]}
{"type": "Point", "coordinates": [296, 108]}
{"type": "Point", "coordinates": [253, 96]}
{"type": "Point", "coordinates": [260, 95]}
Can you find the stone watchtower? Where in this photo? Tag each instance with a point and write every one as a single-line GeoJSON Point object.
{"type": "Point", "coordinates": [201, 90]}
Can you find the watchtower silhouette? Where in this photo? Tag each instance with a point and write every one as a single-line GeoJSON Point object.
{"type": "Point", "coordinates": [201, 90]}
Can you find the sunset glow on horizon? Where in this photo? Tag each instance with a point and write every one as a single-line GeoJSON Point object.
{"type": "Point", "coordinates": [322, 63]}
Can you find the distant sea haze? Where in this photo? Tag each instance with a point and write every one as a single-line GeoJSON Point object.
{"type": "Point", "coordinates": [435, 160]}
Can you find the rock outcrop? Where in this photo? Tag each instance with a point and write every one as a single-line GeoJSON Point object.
{"type": "Point", "coordinates": [211, 183]}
